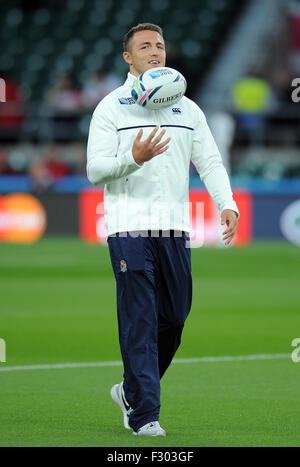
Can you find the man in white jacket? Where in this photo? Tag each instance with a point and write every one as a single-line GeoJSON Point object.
{"type": "Point", "coordinates": [143, 158]}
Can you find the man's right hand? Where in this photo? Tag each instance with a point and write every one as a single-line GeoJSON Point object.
{"type": "Point", "coordinates": [143, 151]}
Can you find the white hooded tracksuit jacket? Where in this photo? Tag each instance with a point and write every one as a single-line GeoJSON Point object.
{"type": "Point", "coordinates": [154, 195]}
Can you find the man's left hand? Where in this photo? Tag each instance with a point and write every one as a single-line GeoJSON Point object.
{"type": "Point", "coordinates": [229, 218]}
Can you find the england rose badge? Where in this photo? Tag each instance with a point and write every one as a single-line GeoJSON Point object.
{"type": "Point", "coordinates": [123, 265]}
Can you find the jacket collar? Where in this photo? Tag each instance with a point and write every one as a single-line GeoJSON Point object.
{"type": "Point", "coordinates": [130, 80]}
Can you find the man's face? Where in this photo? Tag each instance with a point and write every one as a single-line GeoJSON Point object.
{"type": "Point", "coordinates": [146, 50]}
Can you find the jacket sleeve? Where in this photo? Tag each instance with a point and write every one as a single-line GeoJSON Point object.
{"type": "Point", "coordinates": [208, 162]}
{"type": "Point", "coordinates": [105, 163]}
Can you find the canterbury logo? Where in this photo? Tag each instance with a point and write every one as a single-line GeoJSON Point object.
{"type": "Point", "coordinates": [176, 110]}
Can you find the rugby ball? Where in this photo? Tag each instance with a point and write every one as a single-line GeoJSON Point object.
{"type": "Point", "coordinates": [158, 88]}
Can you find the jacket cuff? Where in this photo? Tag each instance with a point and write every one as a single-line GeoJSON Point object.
{"type": "Point", "coordinates": [233, 207]}
{"type": "Point", "coordinates": [131, 161]}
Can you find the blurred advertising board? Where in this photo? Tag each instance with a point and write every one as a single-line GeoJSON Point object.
{"type": "Point", "coordinates": [23, 218]}
{"type": "Point", "coordinates": [204, 218]}
{"type": "Point", "coordinates": [27, 217]}
{"type": "Point", "coordinates": [277, 216]}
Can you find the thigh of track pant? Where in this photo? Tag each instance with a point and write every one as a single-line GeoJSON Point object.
{"type": "Point", "coordinates": [174, 295]}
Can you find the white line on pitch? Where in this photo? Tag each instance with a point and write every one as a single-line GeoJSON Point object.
{"type": "Point", "coordinates": [119, 363]}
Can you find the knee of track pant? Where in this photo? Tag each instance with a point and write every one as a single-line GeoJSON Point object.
{"type": "Point", "coordinates": [174, 323]}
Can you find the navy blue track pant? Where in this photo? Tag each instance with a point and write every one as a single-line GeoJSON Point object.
{"type": "Point", "coordinates": [154, 294]}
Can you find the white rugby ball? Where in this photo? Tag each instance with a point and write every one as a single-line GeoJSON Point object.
{"type": "Point", "coordinates": [158, 87]}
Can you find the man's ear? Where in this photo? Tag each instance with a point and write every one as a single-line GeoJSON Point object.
{"type": "Point", "coordinates": [127, 58]}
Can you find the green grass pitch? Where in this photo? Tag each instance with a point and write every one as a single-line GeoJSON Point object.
{"type": "Point", "coordinates": [57, 305]}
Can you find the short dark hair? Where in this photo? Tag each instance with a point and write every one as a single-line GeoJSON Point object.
{"type": "Point", "coordinates": [140, 27]}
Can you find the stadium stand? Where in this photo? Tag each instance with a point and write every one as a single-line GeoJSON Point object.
{"type": "Point", "coordinates": [47, 39]}
{"type": "Point", "coordinates": [80, 36]}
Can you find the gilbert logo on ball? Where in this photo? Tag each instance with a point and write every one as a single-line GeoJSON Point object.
{"type": "Point", "coordinates": [158, 88]}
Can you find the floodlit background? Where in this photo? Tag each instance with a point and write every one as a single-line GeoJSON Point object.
{"type": "Point", "coordinates": [58, 59]}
